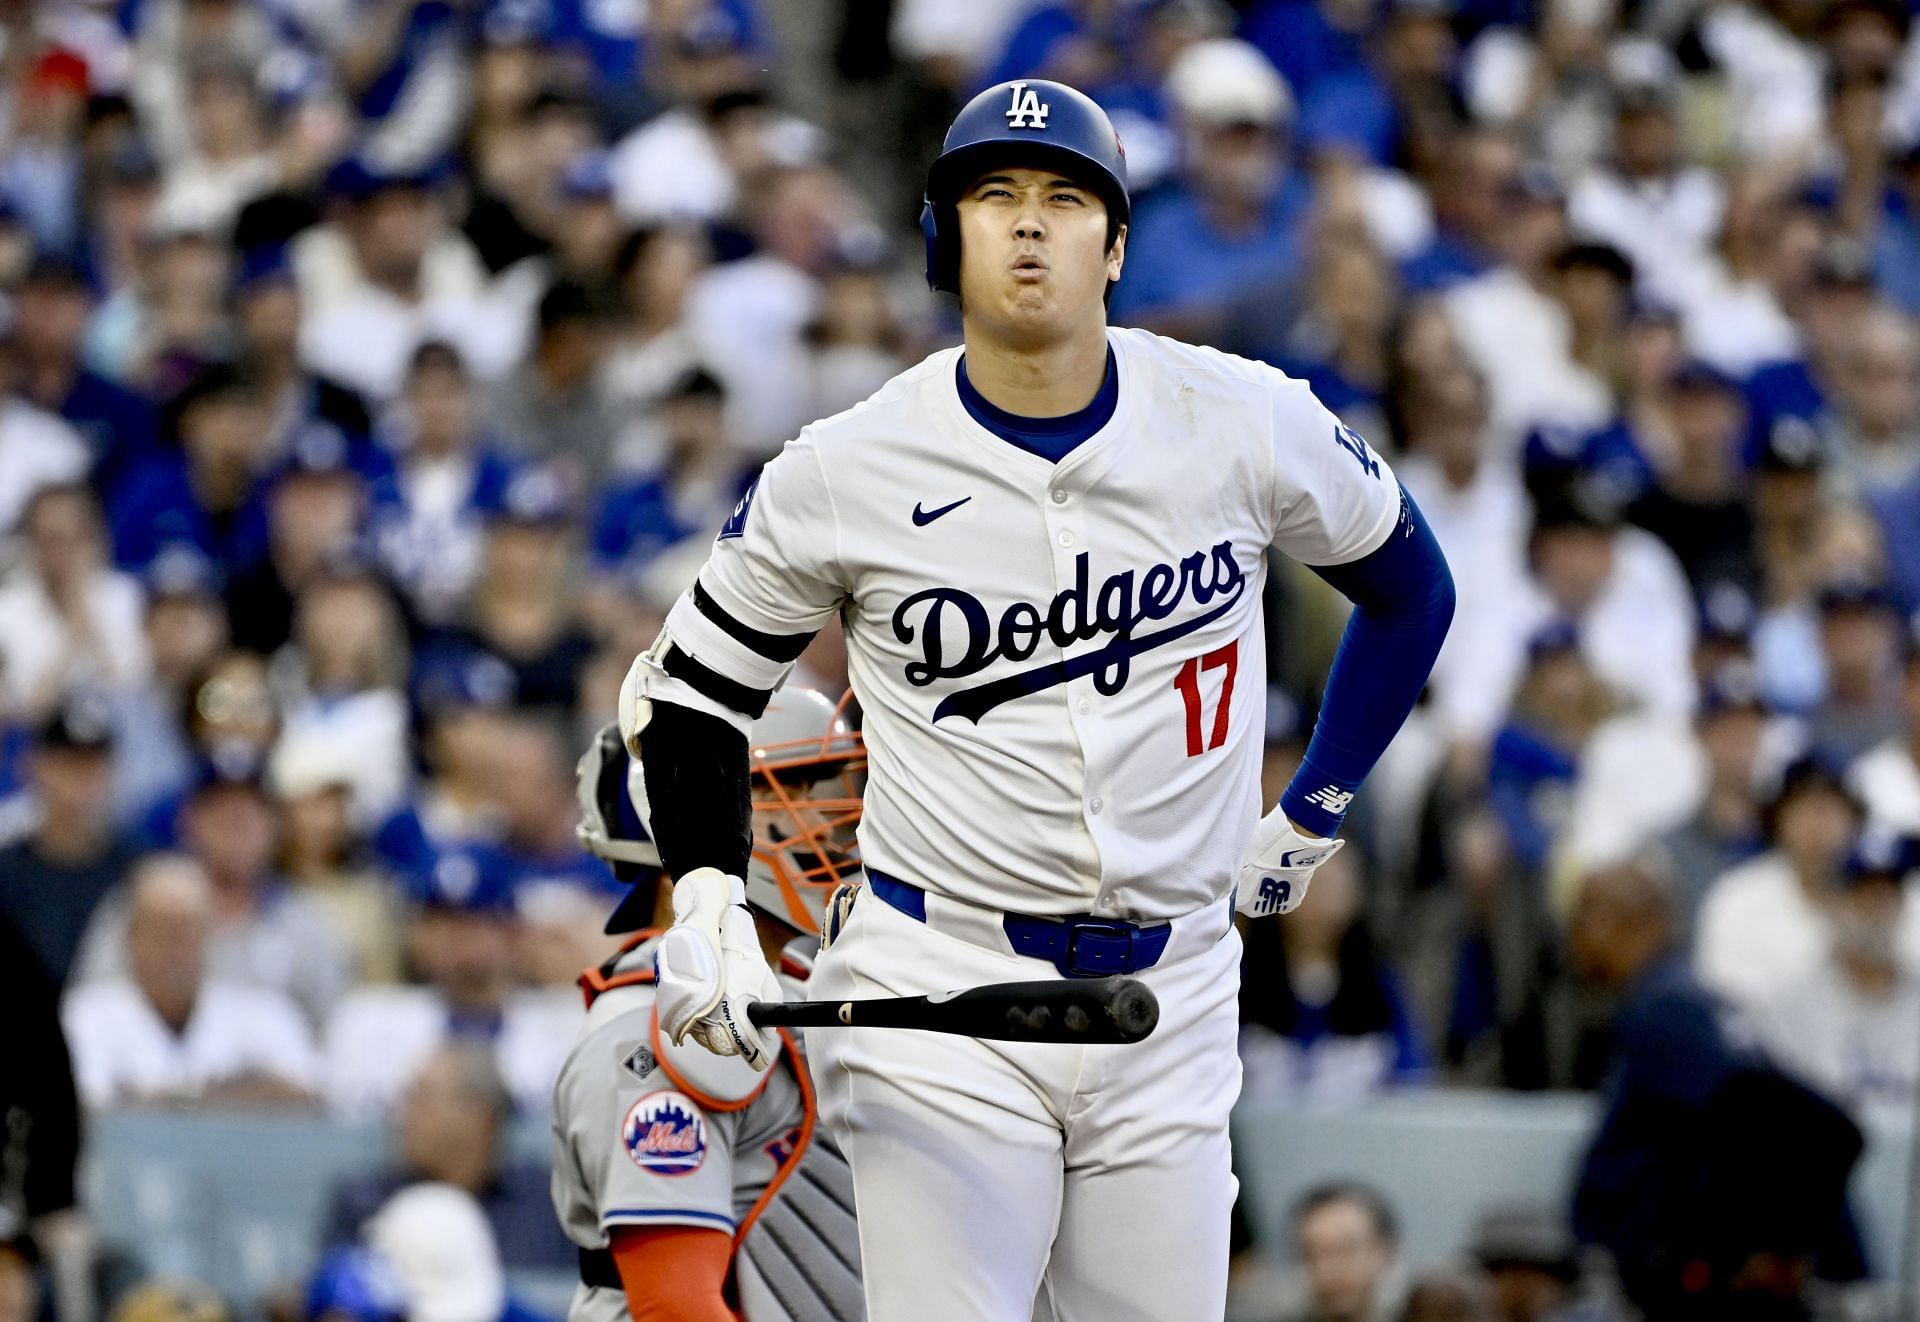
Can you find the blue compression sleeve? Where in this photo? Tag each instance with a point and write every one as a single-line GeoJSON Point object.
{"type": "Point", "coordinates": [1403, 602]}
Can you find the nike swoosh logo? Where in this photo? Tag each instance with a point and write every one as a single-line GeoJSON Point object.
{"type": "Point", "coordinates": [921, 518]}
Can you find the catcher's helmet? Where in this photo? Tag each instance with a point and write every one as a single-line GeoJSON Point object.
{"type": "Point", "coordinates": [1029, 122]}
{"type": "Point", "coordinates": [807, 766]}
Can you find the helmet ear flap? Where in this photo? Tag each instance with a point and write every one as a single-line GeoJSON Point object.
{"type": "Point", "coordinates": [943, 249]}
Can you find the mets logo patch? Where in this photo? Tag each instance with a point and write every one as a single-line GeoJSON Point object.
{"type": "Point", "coordinates": [665, 1133]}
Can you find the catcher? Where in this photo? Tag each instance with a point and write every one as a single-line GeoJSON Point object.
{"type": "Point", "coordinates": [697, 1187]}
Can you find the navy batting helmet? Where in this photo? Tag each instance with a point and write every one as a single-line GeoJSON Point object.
{"type": "Point", "coordinates": [1031, 122]}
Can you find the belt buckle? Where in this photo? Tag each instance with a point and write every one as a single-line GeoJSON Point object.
{"type": "Point", "coordinates": [1097, 947]}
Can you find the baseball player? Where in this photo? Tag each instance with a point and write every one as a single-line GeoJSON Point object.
{"type": "Point", "coordinates": [696, 1184]}
{"type": "Point", "coordinates": [1047, 548]}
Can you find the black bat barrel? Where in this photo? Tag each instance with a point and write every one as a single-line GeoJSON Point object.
{"type": "Point", "coordinates": [1106, 1010]}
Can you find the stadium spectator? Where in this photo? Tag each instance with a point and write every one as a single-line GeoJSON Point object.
{"type": "Point", "coordinates": [460, 942]}
{"type": "Point", "coordinates": [1232, 219]}
{"type": "Point", "coordinates": [1478, 511]}
{"type": "Point", "coordinates": [1724, 829]}
{"type": "Point", "coordinates": [37, 448]}
{"type": "Point", "coordinates": [463, 699]}
{"type": "Point", "coordinates": [1846, 1025]}
{"type": "Point", "coordinates": [1861, 646]}
{"type": "Point", "coordinates": [37, 1172]}
{"type": "Point", "coordinates": [178, 317]}
{"type": "Point", "coordinates": [1322, 1015]}
{"type": "Point", "coordinates": [1769, 918]}
{"type": "Point", "coordinates": [1697, 504]}
{"type": "Point", "coordinates": [428, 515]}
{"type": "Point", "coordinates": [1514, 322]}
{"type": "Point", "coordinates": [1450, 1294]}
{"type": "Point", "coordinates": [1873, 418]}
{"type": "Point", "coordinates": [450, 1127]}
{"type": "Point", "coordinates": [268, 312]}
{"type": "Point", "coordinates": [438, 1242]}
{"type": "Point", "coordinates": [653, 346]}
{"type": "Point", "coordinates": [1668, 1185]}
{"type": "Point", "coordinates": [1478, 178]}
{"type": "Point", "coordinates": [207, 492]}
{"type": "Point", "coordinates": [587, 229]}
{"type": "Point", "coordinates": [1648, 201]}
{"type": "Point", "coordinates": [350, 663]}
{"type": "Point", "coordinates": [311, 773]}
{"type": "Point", "coordinates": [390, 273]}
{"type": "Point", "coordinates": [172, 1031]}
{"type": "Point", "coordinates": [1619, 588]}
{"type": "Point", "coordinates": [264, 934]}
{"type": "Point", "coordinates": [695, 486]}
{"type": "Point", "coordinates": [533, 792]}
{"type": "Point", "coordinates": [120, 426]}
{"type": "Point", "coordinates": [1347, 1241]}
{"type": "Point", "coordinates": [53, 878]}
{"type": "Point", "coordinates": [1536, 756]}
{"type": "Point", "coordinates": [554, 408]}
{"type": "Point", "coordinates": [1887, 776]}
{"type": "Point", "coordinates": [1530, 1260]}
{"type": "Point", "coordinates": [524, 608]}
{"type": "Point", "coordinates": [67, 618]}
{"type": "Point", "coordinates": [228, 717]}
{"type": "Point", "coordinates": [1335, 334]}
{"type": "Point", "coordinates": [854, 346]}
{"type": "Point", "coordinates": [751, 316]}
{"type": "Point", "coordinates": [315, 504]}
{"type": "Point", "coordinates": [227, 162]}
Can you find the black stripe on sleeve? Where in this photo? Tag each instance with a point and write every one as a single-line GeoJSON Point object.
{"type": "Point", "coordinates": [782, 647]}
{"type": "Point", "coordinates": [708, 682]}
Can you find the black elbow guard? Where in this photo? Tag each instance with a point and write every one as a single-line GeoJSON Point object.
{"type": "Point", "coordinates": [698, 800]}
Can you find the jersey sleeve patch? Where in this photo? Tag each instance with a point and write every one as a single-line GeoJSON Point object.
{"type": "Point", "coordinates": [638, 1059]}
{"type": "Point", "coordinates": [736, 524]}
{"type": "Point", "coordinates": [665, 1133]}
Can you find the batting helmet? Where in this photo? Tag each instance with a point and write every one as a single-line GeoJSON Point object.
{"type": "Point", "coordinates": [1030, 122]}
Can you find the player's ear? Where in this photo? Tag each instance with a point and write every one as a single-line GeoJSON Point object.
{"type": "Point", "coordinates": [1116, 254]}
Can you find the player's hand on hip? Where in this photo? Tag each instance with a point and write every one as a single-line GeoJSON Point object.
{"type": "Point", "coordinates": [710, 967]}
{"type": "Point", "coordinates": [1279, 866]}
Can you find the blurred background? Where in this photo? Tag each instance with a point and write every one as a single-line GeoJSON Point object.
{"type": "Point", "coordinates": [374, 373]}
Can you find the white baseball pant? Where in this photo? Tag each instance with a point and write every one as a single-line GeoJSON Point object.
{"type": "Point", "coordinates": [1002, 1181]}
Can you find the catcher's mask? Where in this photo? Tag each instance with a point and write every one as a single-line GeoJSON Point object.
{"type": "Point", "coordinates": [808, 765]}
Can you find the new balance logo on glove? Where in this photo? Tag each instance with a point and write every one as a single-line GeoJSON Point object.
{"type": "Point", "coordinates": [1274, 893]}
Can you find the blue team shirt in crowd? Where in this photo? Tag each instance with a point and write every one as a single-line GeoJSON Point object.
{"type": "Point", "coordinates": [1177, 260]}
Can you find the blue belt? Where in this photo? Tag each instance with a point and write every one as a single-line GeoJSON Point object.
{"type": "Point", "coordinates": [1079, 945]}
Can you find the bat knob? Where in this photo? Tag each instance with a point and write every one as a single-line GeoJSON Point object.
{"type": "Point", "coordinates": [1133, 1008]}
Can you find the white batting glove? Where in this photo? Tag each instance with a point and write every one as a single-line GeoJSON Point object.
{"type": "Point", "coordinates": [1278, 868]}
{"type": "Point", "coordinates": [709, 967]}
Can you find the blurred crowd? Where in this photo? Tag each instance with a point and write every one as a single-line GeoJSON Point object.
{"type": "Point", "coordinates": [373, 374]}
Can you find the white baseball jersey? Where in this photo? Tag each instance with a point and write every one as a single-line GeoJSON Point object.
{"type": "Point", "coordinates": [1062, 666]}
{"type": "Point", "coordinates": [647, 1133]}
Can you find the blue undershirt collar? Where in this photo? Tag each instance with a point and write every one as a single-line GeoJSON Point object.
{"type": "Point", "coordinates": [1053, 439]}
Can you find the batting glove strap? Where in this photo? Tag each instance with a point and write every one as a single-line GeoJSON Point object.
{"type": "Point", "coordinates": [1275, 877]}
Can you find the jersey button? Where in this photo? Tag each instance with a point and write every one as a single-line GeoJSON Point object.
{"type": "Point", "coordinates": [1066, 539]}
{"type": "Point", "coordinates": [1096, 803]}
{"type": "Point", "coordinates": [1084, 706]}
{"type": "Point", "coordinates": [1059, 497]}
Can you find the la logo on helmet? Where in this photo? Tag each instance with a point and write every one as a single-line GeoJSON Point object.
{"type": "Point", "coordinates": [1027, 111]}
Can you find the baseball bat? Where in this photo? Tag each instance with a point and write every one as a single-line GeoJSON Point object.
{"type": "Point", "coordinates": [1112, 1009]}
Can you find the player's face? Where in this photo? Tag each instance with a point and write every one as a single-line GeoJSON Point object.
{"type": "Point", "coordinates": [1034, 261]}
